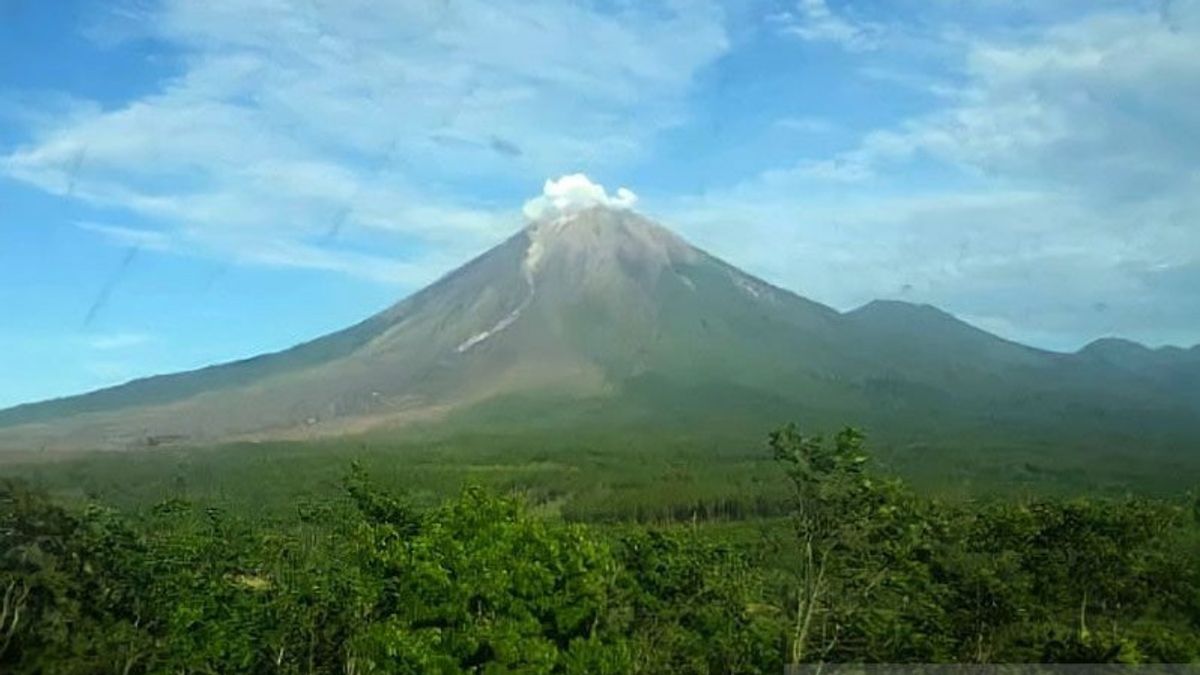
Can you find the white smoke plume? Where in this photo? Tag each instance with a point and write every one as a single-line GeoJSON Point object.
{"type": "Point", "coordinates": [572, 193]}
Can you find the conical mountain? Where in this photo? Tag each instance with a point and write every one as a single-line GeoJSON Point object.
{"type": "Point", "coordinates": [572, 304]}
{"type": "Point", "coordinates": [598, 316]}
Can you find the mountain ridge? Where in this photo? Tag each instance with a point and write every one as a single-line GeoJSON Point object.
{"type": "Point", "coordinates": [591, 305]}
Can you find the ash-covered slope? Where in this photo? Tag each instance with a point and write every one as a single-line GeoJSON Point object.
{"type": "Point", "coordinates": [572, 304]}
{"type": "Point", "coordinates": [602, 314]}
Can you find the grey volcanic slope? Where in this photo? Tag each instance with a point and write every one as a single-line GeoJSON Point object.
{"type": "Point", "coordinates": [606, 311]}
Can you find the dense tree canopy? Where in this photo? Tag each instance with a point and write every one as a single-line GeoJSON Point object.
{"type": "Point", "coordinates": [482, 583]}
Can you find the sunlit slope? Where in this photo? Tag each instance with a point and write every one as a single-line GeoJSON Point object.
{"type": "Point", "coordinates": [604, 319]}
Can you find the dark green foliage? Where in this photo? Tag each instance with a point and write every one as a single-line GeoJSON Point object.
{"type": "Point", "coordinates": [886, 576]}
{"type": "Point", "coordinates": [865, 589]}
{"type": "Point", "coordinates": [480, 584]}
{"type": "Point", "coordinates": [1076, 581]}
{"type": "Point", "coordinates": [695, 607]}
{"type": "Point", "coordinates": [366, 586]}
{"type": "Point", "coordinates": [379, 582]}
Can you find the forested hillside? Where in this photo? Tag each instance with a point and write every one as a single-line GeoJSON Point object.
{"type": "Point", "coordinates": [862, 568]}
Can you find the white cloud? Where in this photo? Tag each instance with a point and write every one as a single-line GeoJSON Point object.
{"type": "Point", "coordinates": [304, 133]}
{"type": "Point", "coordinates": [572, 193]}
{"type": "Point", "coordinates": [129, 236]}
{"type": "Point", "coordinates": [1105, 104]}
{"type": "Point", "coordinates": [117, 341]}
{"type": "Point", "coordinates": [1056, 170]}
{"type": "Point", "coordinates": [1048, 267]}
{"type": "Point", "coordinates": [815, 21]}
{"type": "Point", "coordinates": [1053, 192]}
{"type": "Point", "coordinates": [805, 125]}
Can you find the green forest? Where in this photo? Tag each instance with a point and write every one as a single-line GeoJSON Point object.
{"type": "Point", "coordinates": [841, 563]}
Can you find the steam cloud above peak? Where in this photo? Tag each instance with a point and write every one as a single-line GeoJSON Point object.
{"type": "Point", "coordinates": [572, 193]}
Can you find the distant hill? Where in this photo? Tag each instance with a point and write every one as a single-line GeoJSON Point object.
{"type": "Point", "coordinates": [603, 319]}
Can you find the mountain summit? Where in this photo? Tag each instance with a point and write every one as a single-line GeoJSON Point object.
{"type": "Point", "coordinates": [578, 300]}
{"type": "Point", "coordinates": [595, 315]}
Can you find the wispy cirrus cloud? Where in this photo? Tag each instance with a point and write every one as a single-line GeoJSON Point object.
{"type": "Point", "coordinates": [1052, 191]}
{"type": "Point", "coordinates": [316, 134]}
{"type": "Point", "coordinates": [140, 238]}
{"type": "Point", "coordinates": [1032, 164]}
{"type": "Point", "coordinates": [805, 124]}
{"type": "Point", "coordinates": [816, 21]}
{"type": "Point", "coordinates": [118, 341]}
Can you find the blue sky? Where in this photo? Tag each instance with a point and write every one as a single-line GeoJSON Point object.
{"type": "Point", "coordinates": [186, 182]}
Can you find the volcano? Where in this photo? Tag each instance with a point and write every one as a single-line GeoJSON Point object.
{"type": "Point", "coordinates": [599, 317]}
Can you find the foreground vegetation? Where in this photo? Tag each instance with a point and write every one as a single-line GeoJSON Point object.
{"type": "Point", "coordinates": [860, 568]}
